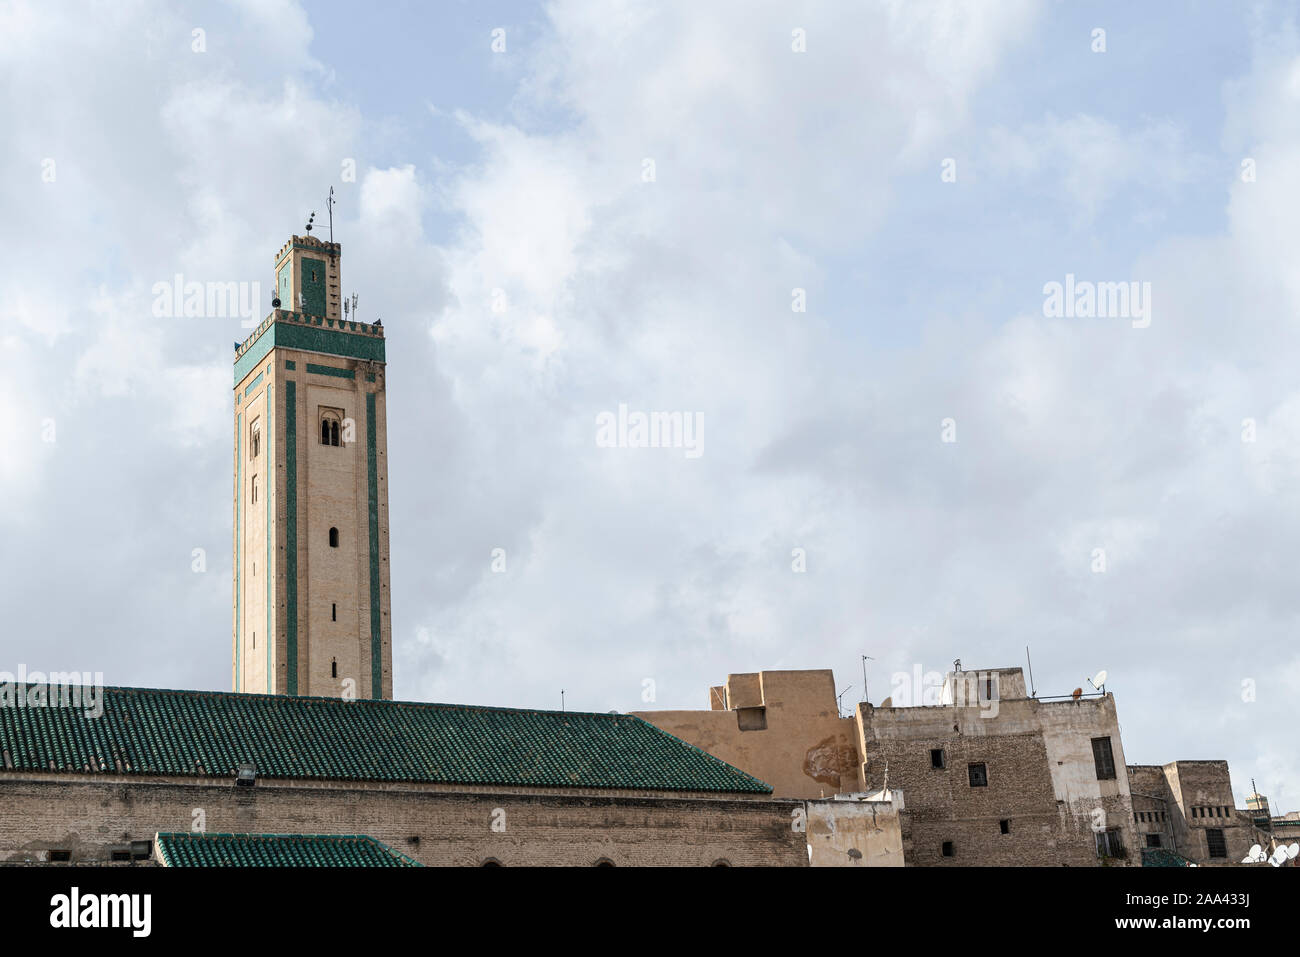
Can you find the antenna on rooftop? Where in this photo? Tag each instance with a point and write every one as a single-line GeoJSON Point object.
{"type": "Point", "coordinates": [865, 695]}
{"type": "Point", "coordinates": [1029, 661]}
{"type": "Point", "coordinates": [561, 699]}
{"type": "Point", "coordinates": [839, 710]}
{"type": "Point", "coordinates": [329, 205]}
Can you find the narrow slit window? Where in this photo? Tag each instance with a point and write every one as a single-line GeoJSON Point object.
{"type": "Point", "coordinates": [334, 538]}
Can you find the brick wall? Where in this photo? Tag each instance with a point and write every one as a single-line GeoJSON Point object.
{"type": "Point", "coordinates": [434, 827]}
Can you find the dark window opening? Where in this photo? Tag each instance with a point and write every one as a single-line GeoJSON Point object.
{"type": "Point", "coordinates": [979, 775]}
{"type": "Point", "coordinates": [60, 856]}
{"type": "Point", "coordinates": [334, 433]}
{"type": "Point", "coordinates": [334, 667]}
{"type": "Point", "coordinates": [491, 862]}
{"type": "Point", "coordinates": [604, 862]}
{"type": "Point", "coordinates": [324, 432]}
{"type": "Point", "coordinates": [119, 856]}
{"type": "Point", "coordinates": [1104, 758]}
{"type": "Point", "coordinates": [334, 538]}
{"type": "Point", "coordinates": [751, 719]}
{"type": "Point", "coordinates": [334, 611]}
{"type": "Point", "coordinates": [947, 849]}
{"type": "Point", "coordinates": [1004, 826]}
{"type": "Point", "coordinates": [936, 758]}
{"type": "Point", "coordinates": [1153, 840]}
{"type": "Point", "coordinates": [720, 863]}
{"type": "Point", "coordinates": [1215, 843]}
{"type": "Point", "coordinates": [1110, 843]}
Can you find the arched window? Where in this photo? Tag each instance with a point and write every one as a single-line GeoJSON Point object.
{"type": "Point", "coordinates": [334, 538]}
{"type": "Point", "coordinates": [254, 489]}
{"type": "Point", "coordinates": [491, 862]}
{"type": "Point", "coordinates": [330, 423]}
{"type": "Point", "coordinates": [255, 440]}
{"type": "Point", "coordinates": [604, 862]}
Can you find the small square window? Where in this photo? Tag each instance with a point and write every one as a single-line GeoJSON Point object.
{"type": "Point", "coordinates": [947, 849]}
{"type": "Point", "coordinates": [979, 776]}
{"type": "Point", "coordinates": [1153, 840]}
{"type": "Point", "coordinates": [1004, 826]}
{"type": "Point", "coordinates": [937, 758]}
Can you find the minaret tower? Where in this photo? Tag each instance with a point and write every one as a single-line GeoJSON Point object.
{"type": "Point", "coordinates": [311, 602]}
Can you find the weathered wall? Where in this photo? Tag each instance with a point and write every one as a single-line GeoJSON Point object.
{"type": "Point", "coordinates": [434, 827]}
{"type": "Point", "coordinates": [1041, 780]}
{"type": "Point", "coordinates": [806, 750]}
{"type": "Point", "coordinates": [855, 833]}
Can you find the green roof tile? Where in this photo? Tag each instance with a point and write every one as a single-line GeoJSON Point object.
{"type": "Point", "coordinates": [277, 850]}
{"type": "Point", "coordinates": [149, 731]}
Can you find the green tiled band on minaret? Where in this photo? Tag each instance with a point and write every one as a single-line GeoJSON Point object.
{"type": "Point", "coordinates": [239, 535]}
{"type": "Point", "coordinates": [291, 532]}
{"type": "Point", "coordinates": [313, 286]}
{"type": "Point", "coordinates": [376, 646]}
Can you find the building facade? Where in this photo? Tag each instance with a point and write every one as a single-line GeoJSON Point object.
{"type": "Point", "coordinates": [990, 776]}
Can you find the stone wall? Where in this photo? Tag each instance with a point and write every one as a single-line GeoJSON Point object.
{"type": "Point", "coordinates": [436, 827]}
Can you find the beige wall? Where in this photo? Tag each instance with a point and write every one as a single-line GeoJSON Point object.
{"type": "Point", "coordinates": [855, 833]}
{"type": "Point", "coordinates": [806, 751]}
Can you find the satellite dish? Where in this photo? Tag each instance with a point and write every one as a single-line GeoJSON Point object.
{"type": "Point", "coordinates": [1099, 680]}
{"type": "Point", "coordinates": [1254, 852]}
{"type": "Point", "coordinates": [1292, 851]}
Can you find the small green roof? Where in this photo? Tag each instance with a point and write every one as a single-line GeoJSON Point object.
{"type": "Point", "coordinates": [148, 731]}
{"type": "Point", "coordinates": [277, 850]}
{"type": "Point", "coordinates": [1162, 857]}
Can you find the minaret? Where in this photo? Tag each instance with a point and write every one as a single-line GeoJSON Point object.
{"type": "Point", "coordinates": [311, 602]}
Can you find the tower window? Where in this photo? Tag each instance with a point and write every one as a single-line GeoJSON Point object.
{"type": "Point", "coordinates": [979, 776]}
{"type": "Point", "coordinates": [255, 440]}
{"type": "Point", "coordinates": [254, 489]}
{"type": "Point", "coordinates": [334, 538]}
{"type": "Point", "coordinates": [334, 612]}
{"type": "Point", "coordinates": [937, 758]}
{"type": "Point", "coordinates": [334, 667]}
{"type": "Point", "coordinates": [329, 426]}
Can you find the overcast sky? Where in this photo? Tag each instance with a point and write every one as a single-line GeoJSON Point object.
{"type": "Point", "coordinates": [626, 204]}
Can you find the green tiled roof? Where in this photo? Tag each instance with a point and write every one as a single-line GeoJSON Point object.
{"type": "Point", "coordinates": [1162, 857]}
{"type": "Point", "coordinates": [277, 850]}
{"type": "Point", "coordinates": [149, 731]}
